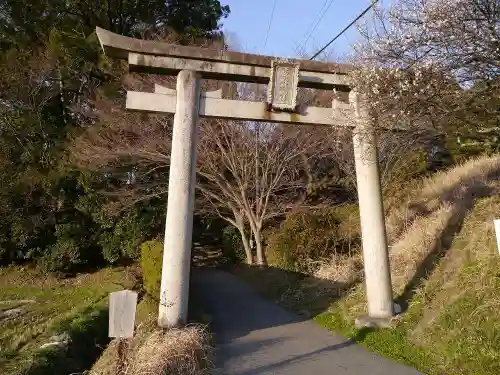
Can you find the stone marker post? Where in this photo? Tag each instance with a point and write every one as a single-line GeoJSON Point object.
{"type": "Point", "coordinates": [375, 252]}
{"type": "Point", "coordinates": [122, 308]}
{"type": "Point", "coordinates": [179, 223]}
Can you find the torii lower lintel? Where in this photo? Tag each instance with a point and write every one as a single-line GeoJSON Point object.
{"type": "Point", "coordinates": [241, 110]}
{"type": "Point", "coordinates": [189, 103]}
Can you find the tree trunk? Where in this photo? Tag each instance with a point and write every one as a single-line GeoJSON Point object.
{"type": "Point", "coordinates": [246, 245]}
{"type": "Point", "coordinates": [255, 231]}
{"type": "Point", "coordinates": [261, 255]}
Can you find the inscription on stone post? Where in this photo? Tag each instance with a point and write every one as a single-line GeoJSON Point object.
{"type": "Point", "coordinates": [282, 89]}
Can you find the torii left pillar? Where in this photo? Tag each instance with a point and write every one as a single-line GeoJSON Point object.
{"type": "Point", "coordinates": [174, 291]}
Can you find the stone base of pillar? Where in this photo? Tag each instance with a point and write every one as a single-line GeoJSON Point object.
{"type": "Point", "coordinates": [374, 323]}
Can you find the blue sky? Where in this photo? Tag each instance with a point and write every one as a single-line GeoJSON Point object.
{"type": "Point", "coordinates": [247, 25]}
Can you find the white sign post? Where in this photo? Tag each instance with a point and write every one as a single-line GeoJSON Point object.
{"type": "Point", "coordinates": [497, 232]}
{"type": "Point", "coordinates": [122, 306]}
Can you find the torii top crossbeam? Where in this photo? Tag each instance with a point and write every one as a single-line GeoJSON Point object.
{"type": "Point", "coordinates": [157, 57]}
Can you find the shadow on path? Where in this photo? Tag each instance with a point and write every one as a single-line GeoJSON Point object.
{"type": "Point", "coordinates": [297, 359]}
{"type": "Point", "coordinates": [256, 336]}
{"type": "Point", "coordinates": [303, 294]}
{"type": "Point", "coordinates": [230, 304]}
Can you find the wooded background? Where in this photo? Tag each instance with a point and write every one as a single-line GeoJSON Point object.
{"type": "Point", "coordinates": [83, 182]}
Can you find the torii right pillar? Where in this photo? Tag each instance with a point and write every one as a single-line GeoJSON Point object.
{"type": "Point", "coordinates": [374, 238]}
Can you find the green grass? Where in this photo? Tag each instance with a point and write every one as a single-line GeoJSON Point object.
{"type": "Point", "coordinates": [462, 338]}
{"type": "Point", "coordinates": [391, 343]}
{"type": "Point", "coordinates": [77, 306]}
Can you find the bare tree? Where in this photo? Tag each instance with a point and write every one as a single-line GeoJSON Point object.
{"type": "Point", "coordinates": [132, 149]}
{"type": "Point", "coordinates": [248, 174]}
{"type": "Point", "coordinates": [135, 147]}
{"type": "Point", "coordinates": [395, 151]}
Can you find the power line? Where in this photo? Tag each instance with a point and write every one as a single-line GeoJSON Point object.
{"type": "Point", "coordinates": [312, 23]}
{"type": "Point", "coordinates": [270, 23]}
{"type": "Point", "coordinates": [345, 29]}
{"type": "Point", "coordinates": [312, 27]}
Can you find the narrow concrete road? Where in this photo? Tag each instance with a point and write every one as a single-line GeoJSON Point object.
{"type": "Point", "coordinates": [255, 336]}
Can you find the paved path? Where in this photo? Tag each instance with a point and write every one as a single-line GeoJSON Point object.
{"type": "Point", "coordinates": [255, 336]}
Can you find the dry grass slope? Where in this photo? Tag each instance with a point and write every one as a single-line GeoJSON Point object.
{"type": "Point", "coordinates": [435, 217]}
{"type": "Point", "coordinates": [445, 271]}
{"type": "Point", "coordinates": [456, 311]}
{"type": "Point", "coordinates": [429, 216]}
{"type": "Point", "coordinates": [185, 351]}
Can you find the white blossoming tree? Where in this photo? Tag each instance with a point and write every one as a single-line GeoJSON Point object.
{"type": "Point", "coordinates": [432, 64]}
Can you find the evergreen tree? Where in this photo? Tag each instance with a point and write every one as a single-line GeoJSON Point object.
{"type": "Point", "coordinates": [50, 67]}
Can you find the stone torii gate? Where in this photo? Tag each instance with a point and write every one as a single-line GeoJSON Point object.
{"type": "Point", "coordinates": [188, 103]}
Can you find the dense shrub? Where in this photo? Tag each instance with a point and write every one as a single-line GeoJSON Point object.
{"type": "Point", "coordinates": [151, 263]}
{"type": "Point", "coordinates": [60, 257]}
{"type": "Point", "coordinates": [122, 241]}
{"type": "Point", "coordinates": [232, 246]}
{"type": "Point", "coordinates": [306, 237]}
{"type": "Point", "coordinates": [121, 231]}
{"type": "Point", "coordinates": [73, 248]}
